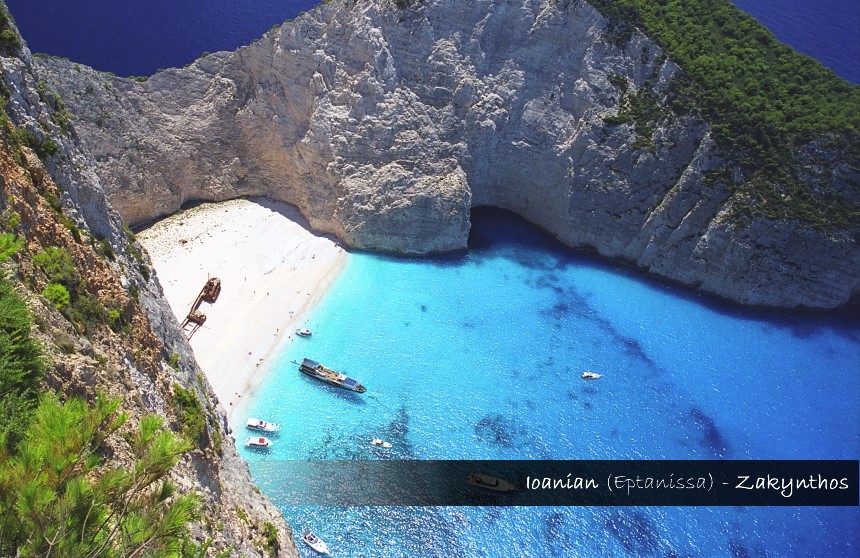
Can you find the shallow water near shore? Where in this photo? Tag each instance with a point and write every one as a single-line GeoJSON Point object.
{"type": "Point", "coordinates": [478, 356]}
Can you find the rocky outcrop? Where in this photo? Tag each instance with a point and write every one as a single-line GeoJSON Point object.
{"type": "Point", "coordinates": [386, 125]}
{"type": "Point", "coordinates": [56, 200]}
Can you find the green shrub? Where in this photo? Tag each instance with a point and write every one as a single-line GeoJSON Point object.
{"type": "Point", "coordinates": [9, 246]}
{"type": "Point", "coordinates": [87, 312]}
{"type": "Point", "coordinates": [21, 367]}
{"type": "Point", "coordinates": [73, 228]}
{"type": "Point", "coordinates": [61, 117]}
{"type": "Point", "coordinates": [53, 201]}
{"type": "Point", "coordinates": [57, 294]}
{"type": "Point", "coordinates": [54, 503]}
{"type": "Point", "coordinates": [132, 238]}
{"type": "Point", "coordinates": [135, 253]}
{"type": "Point", "coordinates": [116, 319]}
{"type": "Point", "coordinates": [58, 266]}
{"type": "Point", "coordinates": [10, 39]}
{"type": "Point", "coordinates": [11, 218]}
{"type": "Point", "coordinates": [105, 250]}
{"type": "Point", "coordinates": [191, 412]}
{"type": "Point", "coordinates": [23, 136]}
{"type": "Point", "coordinates": [270, 535]}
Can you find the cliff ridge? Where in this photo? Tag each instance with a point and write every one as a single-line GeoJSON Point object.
{"type": "Point", "coordinates": [385, 125]}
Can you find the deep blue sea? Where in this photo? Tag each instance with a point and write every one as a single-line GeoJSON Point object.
{"type": "Point", "coordinates": [138, 38]}
{"type": "Point", "coordinates": [478, 356]}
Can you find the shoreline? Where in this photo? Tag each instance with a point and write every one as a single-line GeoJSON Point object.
{"type": "Point", "coordinates": [274, 271]}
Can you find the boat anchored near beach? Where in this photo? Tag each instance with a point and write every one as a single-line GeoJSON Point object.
{"type": "Point", "coordinates": [262, 426]}
{"type": "Point", "coordinates": [315, 542]}
{"type": "Point", "coordinates": [303, 332]}
{"type": "Point", "coordinates": [259, 442]}
{"type": "Point", "coordinates": [319, 372]}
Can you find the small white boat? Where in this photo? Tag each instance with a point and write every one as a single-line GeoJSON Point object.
{"type": "Point", "coordinates": [380, 443]}
{"type": "Point", "coordinates": [262, 426]}
{"type": "Point", "coordinates": [490, 483]}
{"type": "Point", "coordinates": [303, 332]}
{"type": "Point", "coordinates": [257, 442]}
{"type": "Point", "coordinates": [588, 375]}
{"type": "Point", "coordinates": [315, 542]}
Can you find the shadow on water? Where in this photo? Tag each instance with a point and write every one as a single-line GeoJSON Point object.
{"type": "Point", "coordinates": [558, 532]}
{"type": "Point", "coordinates": [495, 230]}
{"type": "Point", "coordinates": [571, 304]}
{"type": "Point", "coordinates": [634, 531]}
{"type": "Point", "coordinates": [395, 432]}
{"type": "Point", "coordinates": [712, 438]}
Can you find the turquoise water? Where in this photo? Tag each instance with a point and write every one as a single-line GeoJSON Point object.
{"type": "Point", "coordinates": [478, 356]}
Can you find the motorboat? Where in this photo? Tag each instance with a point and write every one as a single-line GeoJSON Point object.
{"type": "Point", "coordinates": [315, 542]}
{"type": "Point", "coordinates": [319, 372]}
{"type": "Point", "coordinates": [380, 443]}
{"type": "Point", "coordinates": [258, 442]}
{"type": "Point", "coordinates": [303, 332]}
{"type": "Point", "coordinates": [490, 483]}
{"type": "Point", "coordinates": [588, 375]}
{"type": "Point", "coordinates": [262, 426]}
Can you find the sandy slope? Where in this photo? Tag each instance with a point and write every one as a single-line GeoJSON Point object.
{"type": "Point", "coordinates": [273, 270]}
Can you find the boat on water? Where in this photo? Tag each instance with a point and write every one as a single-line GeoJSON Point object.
{"type": "Point", "coordinates": [380, 443]}
{"type": "Point", "coordinates": [303, 332]}
{"type": "Point", "coordinates": [490, 483]}
{"type": "Point", "coordinates": [588, 375]}
{"type": "Point", "coordinates": [262, 426]}
{"type": "Point", "coordinates": [319, 372]}
{"type": "Point", "coordinates": [258, 442]}
{"type": "Point", "coordinates": [315, 542]}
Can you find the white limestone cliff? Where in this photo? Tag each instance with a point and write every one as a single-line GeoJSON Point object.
{"type": "Point", "coordinates": [386, 125]}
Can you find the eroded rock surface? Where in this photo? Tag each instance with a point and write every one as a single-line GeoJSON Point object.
{"type": "Point", "coordinates": [385, 126]}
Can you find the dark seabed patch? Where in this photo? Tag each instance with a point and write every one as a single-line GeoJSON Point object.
{"type": "Point", "coordinates": [496, 429]}
{"type": "Point", "coordinates": [396, 432]}
{"type": "Point", "coordinates": [634, 531]}
{"type": "Point", "coordinates": [557, 533]}
{"type": "Point", "coordinates": [571, 304]}
{"type": "Point", "coordinates": [712, 439]}
{"type": "Point", "coordinates": [738, 550]}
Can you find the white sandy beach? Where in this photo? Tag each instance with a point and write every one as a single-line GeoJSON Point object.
{"type": "Point", "coordinates": [273, 270]}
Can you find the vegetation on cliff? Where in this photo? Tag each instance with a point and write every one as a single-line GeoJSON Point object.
{"type": "Point", "coordinates": [10, 40]}
{"type": "Point", "coordinates": [52, 503]}
{"type": "Point", "coordinates": [77, 478]}
{"type": "Point", "coordinates": [764, 102]}
{"type": "Point", "coordinates": [21, 361]}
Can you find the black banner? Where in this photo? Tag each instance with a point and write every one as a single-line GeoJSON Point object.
{"type": "Point", "coordinates": [560, 483]}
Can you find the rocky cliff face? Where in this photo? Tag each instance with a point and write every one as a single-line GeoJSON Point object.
{"type": "Point", "coordinates": [57, 201]}
{"type": "Point", "coordinates": [385, 125]}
